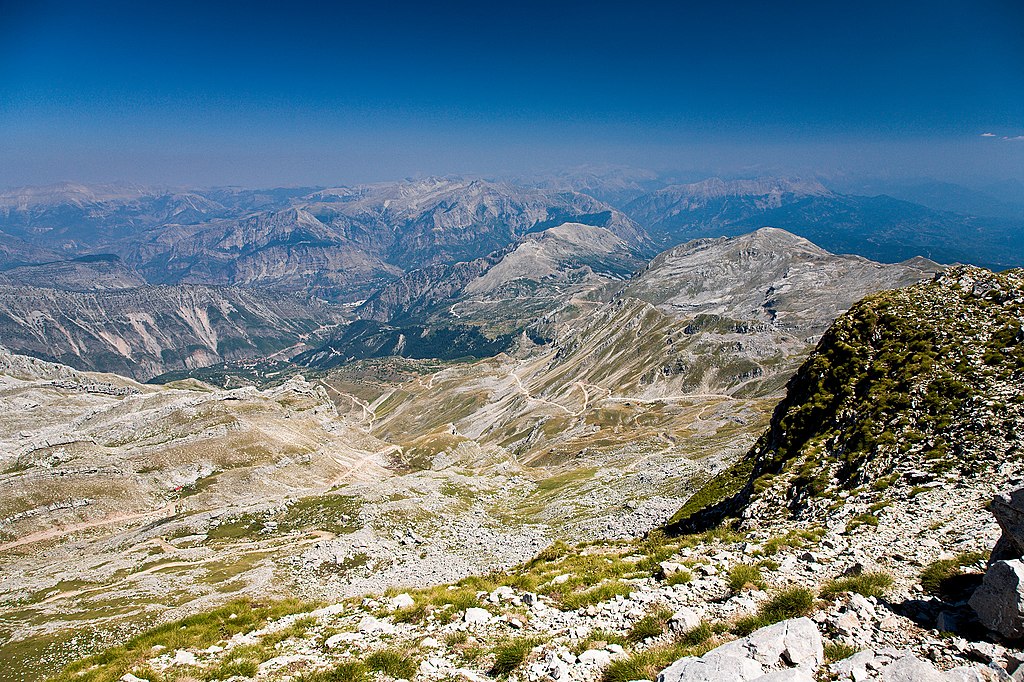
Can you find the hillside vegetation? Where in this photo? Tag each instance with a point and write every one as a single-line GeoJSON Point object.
{"type": "Point", "coordinates": [921, 382]}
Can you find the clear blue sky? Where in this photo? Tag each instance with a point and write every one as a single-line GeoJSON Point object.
{"type": "Point", "coordinates": [292, 93]}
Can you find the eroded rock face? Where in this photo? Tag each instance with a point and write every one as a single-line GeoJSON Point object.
{"type": "Point", "coordinates": [999, 602]}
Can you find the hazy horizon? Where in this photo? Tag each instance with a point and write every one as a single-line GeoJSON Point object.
{"type": "Point", "coordinates": [246, 95]}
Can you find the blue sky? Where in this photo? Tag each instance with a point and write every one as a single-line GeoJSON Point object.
{"type": "Point", "coordinates": [292, 93]}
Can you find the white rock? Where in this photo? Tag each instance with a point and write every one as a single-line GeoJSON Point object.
{"type": "Point", "coordinates": [402, 601]}
{"type": "Point", "coordinates": [502, 593]}
{"type": "Point", "coordinates": [712, 668]}
{"type": "Point", "coordinates": [429, 643]}
{"type": "Point", "coordinates": [371, 624]}
{"type": "Point", "coordinates": [334, 640]}
{"type": "Point", "coordinates": [671, 567]}
{"type": "Point", "coordinates": [476, 616]}
{"type": "Point", "coordinates": [794, 642]}
{"type": "Point", "coordinates": [999, 602]}
{"type": "Point", "coordinates": [598, 657]}
{"type": "Point", "coordinates": [182, 657]}
{"type": "Point", "coordinates": [684, 619]}
{"type": "Point", "coordinates": [787, 675]}
{"type": "Point", "coordinates": [912, 669]}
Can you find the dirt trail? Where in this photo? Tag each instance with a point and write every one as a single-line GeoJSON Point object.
{"type": "Point", "coordinates": [43, 535]}
{"type": "Point", "coordinates": [522, 389]}
{"type": "Point", "coordinates": [369, 415]}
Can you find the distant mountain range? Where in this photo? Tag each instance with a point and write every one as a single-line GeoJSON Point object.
{"type": "Point", "coordinates": [439, 267]}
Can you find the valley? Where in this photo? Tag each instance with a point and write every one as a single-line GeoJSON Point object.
{"type": "Point", "coordinates": [327, 472]}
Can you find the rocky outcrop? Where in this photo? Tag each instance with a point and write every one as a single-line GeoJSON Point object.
{"type": "Point", "coordinates": [999, 601]}
{"type": "Point", "coordinates": [1008, 508]}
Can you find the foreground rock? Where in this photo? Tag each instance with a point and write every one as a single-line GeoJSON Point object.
{"type": "Point", "coordinates": [792, 651]}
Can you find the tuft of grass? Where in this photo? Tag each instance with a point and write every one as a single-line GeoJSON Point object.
{"type": "Point", "coordinates": [867, 584]}
{"type": "Point", "coordinates": [743, 576]}
{"type": "Point", "coordinates": [349, 671]}
{"type": "Point", "coordinates": [945, 576]}
{"type": "Point", "coordinates": [837, 651]}
{"type": "Point", "coordinates": [412, 614]}
{"type": "Point", "coordinates": [697, 635]}
{"type": "Point", "coordinates": [646, 664]}
{"type": "Point", "coordinates": [865, 519]}
{"type": "Point", "coordinates": [679, 578]}
{"type": "Point", "coordinates": [790, 603]}
{"type": "Point", "coordinates": [596, 595]}
{"type": "Point", "coordinates": [456, 638]}
{"type": "Point", "coordinates": [651, 625]}
{"type": "Point", "coordinates": [511, 654]}
{"type": "Point", "coordinates": [393, 662]}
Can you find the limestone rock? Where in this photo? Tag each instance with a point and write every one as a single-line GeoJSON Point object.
{"type": "Point", "coordinates": [999, 602]}
{"type": "Point", "coordinates": [712, 668]}
{"type": "Point", "coordinates": [684, 619]}
{"type": "Point", "coordinates": [476, 616]}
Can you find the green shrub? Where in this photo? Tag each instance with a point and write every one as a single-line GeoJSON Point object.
{"type": "Point", "coordinates": [944, 577]}
{"type": "Point", "coordinates": [791, 603]}
{"type": "Point", "coordinates": [680, 577]}
{"type": "Point", "coordinates": [393, 662]}
{"type": "Point", "coordinates": [837, 651]}
{"type": "Point", "coordinates": [867, 584]}
{"type": "Point", "coordinates": [596, 595]}
{"type": "Point", "coordinates": [644, 665]}
{"type": "Point", "coordinates": [511, 654]}
{"type": "Point", "coordinates": [865, 519]}
{"type": "Point", "coordinates": [651, 625]}
{"type": "Point", "coordinates": [744, 575]}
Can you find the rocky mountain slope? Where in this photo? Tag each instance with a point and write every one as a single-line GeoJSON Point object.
{"type": "Point", "coordinates": [769, 276]}
{"type": "Point", "coordinates": [862, 528]}
{"type": "Point", "coordinates": [86, 273]}
{"type": "Point", "coordinates": [146, 331]}
{"type": "Point", "coordinates": [925, 381]}
{"type": "Point", "coordinates": [340, 243]}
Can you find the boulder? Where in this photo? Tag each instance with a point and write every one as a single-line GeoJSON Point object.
{"type": "Point", "coordinates": [402, 601]}
{"type": "Point", "coordinates": [912, 669]}
{"type": "Point", "coordinates": [597, 657]}
{"type": "Point", "coordinates": [787, 675]}
{"type": "Point", "coordinates": [684, 620]}
{"type": "Point", "coordinates": [999, 602]}
{"type": "Point", "coordinates": [476, 616]}
{"type": "Point", "coordinates": [1008, 508]}
{"type": "Point", "coordinates": [794, 642]}
{"type": "Point", "coordinates": [712, 668]}
{"type": "Point", "coordinates": [790, 651]}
